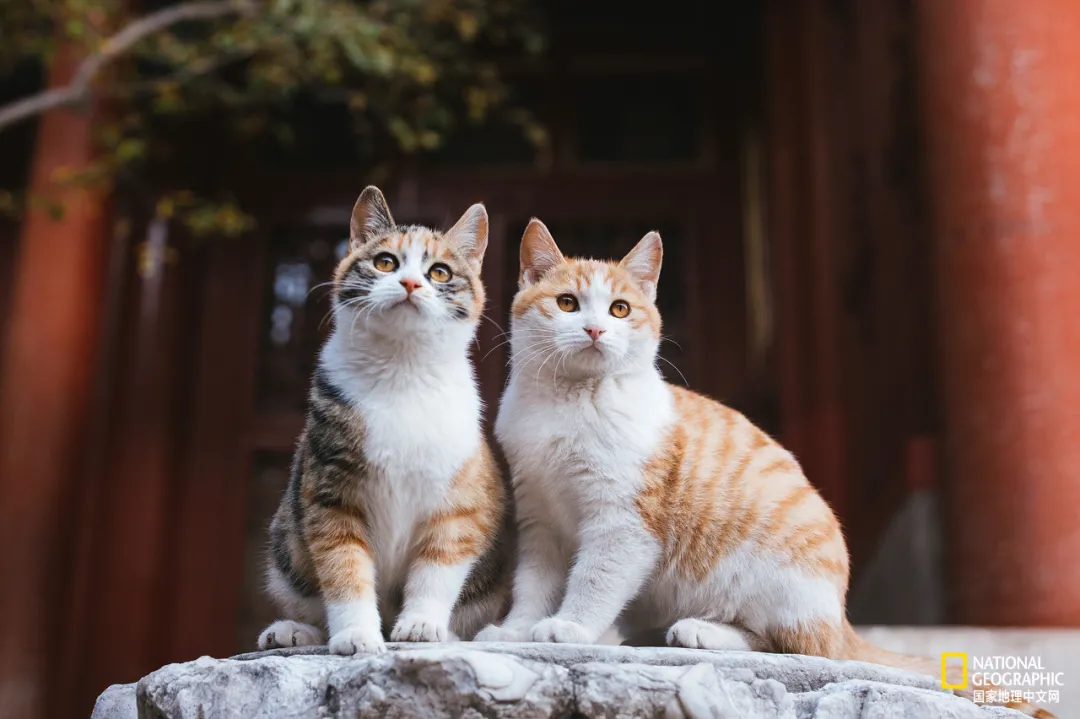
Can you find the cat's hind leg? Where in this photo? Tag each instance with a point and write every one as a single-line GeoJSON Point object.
{"type": "Point", "coordinates": [305, 616]}
{"type": "Point", "coordinates": [812, 637]}
{"type": "Point", "coordinates": [702, 634]}
{"type": "Point", "coordinates": [287, 633]}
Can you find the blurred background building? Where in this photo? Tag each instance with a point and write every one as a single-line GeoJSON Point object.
{"type": "Point", "coordinates": [872, 242]}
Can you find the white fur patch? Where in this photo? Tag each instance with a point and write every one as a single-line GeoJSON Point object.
{"type": "Point", "coordinates": [354, 627]}
{"type": "Point", "coordinates": [576, 450]}
{"type": "Point", "coordinates": [422, 422]}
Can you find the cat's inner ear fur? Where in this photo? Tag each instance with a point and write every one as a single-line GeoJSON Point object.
{"type": "Point", "coordinates": [539, 253]}
{"type": "Point", "coordinates": [469, 235]}
{"type": "Point", "coordinates": [371, 218]}
{"type": "Point", "coordinates": [643, 263]}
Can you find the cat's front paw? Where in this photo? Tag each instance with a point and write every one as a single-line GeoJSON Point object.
{"type": "Point", "coordinates": [357, 640]}
{"type": "Point", "coordinates": [495, 633]}
{"type": "Point", "coordinates": [561, 631]}
{"type": "Point", "coordinates": [419, 628]}
{"type": "Point", "coordinates": [287, 633]}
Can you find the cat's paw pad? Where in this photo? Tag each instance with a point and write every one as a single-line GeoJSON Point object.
{"type": "Point", "coordinates": [699, 634]}
{"type": "Point", "coordinates": [356, 640]}
{"type": "Point", "coordinates": [561, 631]}
{"type": "Point", "coordinates": [418, 628]}
{"type": "Point", "coordinates": [495, 633]}
{"type": "Point", "coordinates": [287, 633]}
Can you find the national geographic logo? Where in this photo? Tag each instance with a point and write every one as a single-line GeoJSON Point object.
{"type": "Point", "coordinates": [1026, 677]}
{"type": "Point", "coordinates": [958, 658]}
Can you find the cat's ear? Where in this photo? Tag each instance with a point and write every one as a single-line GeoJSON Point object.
{"type": "Point", "coordinates": [643, 263]}
{"type": "Point", "coordinates": [539, 253]}
{"type": "Point", "coordinates": [370, 217]}
{"type": "Point", "coordinates": [469, 235]}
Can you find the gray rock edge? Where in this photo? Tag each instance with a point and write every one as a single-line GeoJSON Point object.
{"type": "Point", "coordinates": [497, 680]}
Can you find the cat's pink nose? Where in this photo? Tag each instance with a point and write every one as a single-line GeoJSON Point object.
{"type": "Point", "coordinates": [594, 332]}
{"type": "Point", "coordinates": [410, 285]}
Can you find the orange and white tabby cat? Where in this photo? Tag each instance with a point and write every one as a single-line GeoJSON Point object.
{"type": "Point", "coordinates": [647, 505]}
{"type": "Point", "coordinates": [395, 508]}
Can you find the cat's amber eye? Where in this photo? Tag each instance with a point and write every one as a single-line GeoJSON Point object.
{"type": "Point", "coordinates": [619, 309]}
{"type": "Point", "coordinates": [567, 303]}
{"type": "Point", "coordinates": [440, 273]}
{"type": "Point", "coordinates": [385, 262]}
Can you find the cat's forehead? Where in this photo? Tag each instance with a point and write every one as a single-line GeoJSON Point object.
{"type": "Point", "coordinates": [407, 240]}
{"type": "Point", "coordinates": [585, 275]}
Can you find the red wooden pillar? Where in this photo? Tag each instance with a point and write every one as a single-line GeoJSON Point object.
{"type": "Point", "coordinates": [122, 637]}
{"type": "Point", "coordinates": [47, 374]}
{"type": "Point", "coordinates": [1002, 121]}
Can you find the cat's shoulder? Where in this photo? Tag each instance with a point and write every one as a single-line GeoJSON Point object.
{"type": "Point", "coordinates": [706, 415]}
{"type": "Point", "coordinates": [687, 403]}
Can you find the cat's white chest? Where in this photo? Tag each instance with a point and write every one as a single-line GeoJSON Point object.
{"type": "Point", "coordinates": [419, 430]}
{"type": "Point", "coordinates": [424, 430]}
{"type": "Point", "coordinates": [589, 444]}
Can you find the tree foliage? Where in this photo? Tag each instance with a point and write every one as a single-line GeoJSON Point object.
{"type": "Point", "coordinates": [407, 70]}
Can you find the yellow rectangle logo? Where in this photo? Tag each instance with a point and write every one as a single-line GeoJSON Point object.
{"type": "Point", "coordinates": [945, 657]}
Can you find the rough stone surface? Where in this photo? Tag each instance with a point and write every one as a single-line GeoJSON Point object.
{"type": "Point", "coordinates": [494, 681]}
{"type": "Point", "coordinates": [116, 702]}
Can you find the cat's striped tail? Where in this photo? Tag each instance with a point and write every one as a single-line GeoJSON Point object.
{"type": "Point", "coordinates": [859, 649]}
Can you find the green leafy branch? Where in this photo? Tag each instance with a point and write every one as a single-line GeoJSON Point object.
{"type": "Point", "coordinates": [80, 88]}
{"type": "Point", "coordinates": [407, 71]}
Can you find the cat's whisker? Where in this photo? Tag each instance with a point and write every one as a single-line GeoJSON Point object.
{"type": "Point", "coordinates": [372, 307]}
{"type": "Point", "coordinates": [517, 366]}
{"type": "Point", "coordinates": [365, 310]}
{"type": "Point", "coordinates": [348, 304]}
{"type": "Point", "coordinates": [555, 374]}
{"type": "Point", "coordinates": [527, 350]}
{"type": "Point", "coordinates": [338, 307]}
{"type": "Point", "coordinates": [551, 354]}
{"type": "Point", "coordinates": [331, 312]}
{"type": "Point", "coordinates": [501, 344]}
{"type": "Point", "coordinates": [510, 339]}
{"type": "Point", "coordinates": [532, 352]}
{"type": "Point", "coordinates": [665, 359]}
{"type": "Point", "coordinates": [668, 339]}
{"type": "Point", "coordinates": [539, 347]}
{"type": "Point", "coordinates": [329, 284]}
{"type": "Point", "coordinates": [484, 315]}
{"type": "Point", "coordinates": [352, 327]}
{"type": "Point", "coordinates": [528, 332]}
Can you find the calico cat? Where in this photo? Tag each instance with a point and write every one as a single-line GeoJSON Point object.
{"type": "Point", "coordinates": [395, 507]}
{"type": "Point", "coordinates": [647, 505]}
